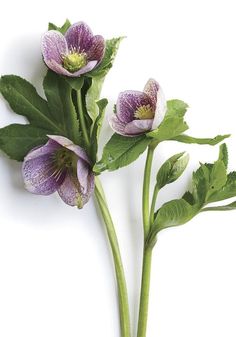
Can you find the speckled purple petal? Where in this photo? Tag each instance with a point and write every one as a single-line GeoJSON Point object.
{"type": "Point", "coordinates": [54, 46]}
{"type": "Point", "coordinates": [161, 108]}
{"type": "Point", "coordinates": [39, 172]}
{"type": "Point", "coordinates": [67, 143]}
{"type": "Point", "coordinates": [89, 66]}
{"type": "Point", "coordinates": [71, 193]}
{"type": "Point", "coordinates": [138, 126]}
{"type": "Point", "coordinates": [96, 52]}
{"type": "Point", "coordinates": [79, 36]}
{"type": "Point", "coordinates": [58, 68]}
{"type": "Point", "coordinates": [83, 170]}
{"type": "Point", "coordinates": [117, 125]}
{"type": "Point", "coordinates": [128, 102]}
{"type": "Point", "coordinates": [151, 88]}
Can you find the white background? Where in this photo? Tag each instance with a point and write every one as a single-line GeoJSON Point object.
{"type": "Point", "coordinates": [56, 276]}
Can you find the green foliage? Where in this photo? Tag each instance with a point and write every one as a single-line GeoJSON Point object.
{"type": "Point", "coordinates": [172, 169]}
{"type": "Point", "coordinates": [176, 107]}
{"type": "Point", "coordinates": [97, 128]}
{"type": "Point", "coordinates": [92, 96]}
{"type": "Point", "coordinates": [223, 154]}
{"type": "Point", "coordinates": [169, 128]}
{"type": "Point", "coordinates": [229, 207]}
{"type": "Point", "coordinates": [16, 140]}
{"type": "Point", "coordinates": [121, 151]}
{"type": "Point", "coordinates": [62, 29]}
{"type": "Point", "coordinates": [201, 141]}
{"type": "Point", "coordinates": [112, 47]}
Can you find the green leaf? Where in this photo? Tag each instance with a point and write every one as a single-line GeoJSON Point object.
{"type": "Point", "coordinates": [172, 169]}
{"type": "Point", "coordinates": [97, 127]}
{"type": "Point", "coordinates": [112, 47]}
{"type": "Point", "coordinates": [62, 29]}
{"type": "Point", "coordinates": [200, 184]}
{"type": "Point", "coordinates": [76, 83]}
{"type": "Point", "coordinates": [24, 100]}
{"type": "Point", "coordinates": [121, 151]}
{"type": "Point", "coordinates": [218, 177]}
{"type": "Point", "coordinates": [174, 213]}
{"type": "Point", "coordinates": [229, 207]}
{"type": "Point", "coordinates": [58, 93]}
{"type": "Point", "coordinates": [227, 191]}
{"type": "Point", "coordinates": [223, 154]}
{"type": "Point", "coordinates": [92, 96]}
{"type": "Point", "coordinates": [169, 128]}
{"type": "Point", "coordinates": [176, 107]}
{"type": "Point", "coordinates": [202, 141]}
{"type": "Point", "coordinates": [16, 140]}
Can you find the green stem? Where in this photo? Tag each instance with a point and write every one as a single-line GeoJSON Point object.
{"type": "Point", "coordinates": [153, 205]}
{"type": "Point", "coordinates": [144, 297]}
{"type": "Point", "coordinates": [121, 283]}
{"type": "Point", "coordinates": [82, 119]}
{"type": "Point", "coordinates": [146, 190]}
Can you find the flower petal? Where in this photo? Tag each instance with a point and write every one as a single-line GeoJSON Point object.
{"type": "Point", "coordinates": [138, 126]}
{"type": "Point", "coordinates": [96, 52]}
{"type": "Point", "coordinates": [117, 125]}
{"type": "Point", "coordinates": [89, 66]}
{"type": "Point", "coordinates": [83, 170]}
{"type": "Point", "coordinates": [58, 68]}
{"type": "Point", "coordinates": [54, 46]}
{"type": "Point", "coordinates": [161, 108]}
{"type": "Point", "coordinates": [67, 143]}
{"type": "Point", "coordinates": [151, 88]}
{"type": "Point", "coordinates": [39, 172]}
{"type": "Point", "coordinates": [128, 102]}
{"type": "Point", "coordinates": [79, 36]}
{"type": "Point", "coordinates": [70, 191]}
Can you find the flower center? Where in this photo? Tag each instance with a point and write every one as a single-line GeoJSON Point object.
{"type": "Point", "coordinates": [144, 112]}
{"type": "Point", "coordinates": [65, 159]}
{"type": "Point", "coordinates": [74, 61]}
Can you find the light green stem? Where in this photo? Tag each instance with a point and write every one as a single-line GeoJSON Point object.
{"type": "Point", "coordinates": [82, 119]}
{"type": "Point", "coordinates": [153, 205]}
{"type": "Point", "coordinates": [144, 297]}
{"type": "Point", "coordinates": [121, 283]}
{"type": "Point", "coordinates": [146, 190]}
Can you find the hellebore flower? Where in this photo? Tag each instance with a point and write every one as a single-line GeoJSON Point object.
{"type": "Point", "coordinates": [138, 112]}
{"type": "Point", "coordinates": [60, 166]}
{"type": "Point", "coordinates": [75, 53]}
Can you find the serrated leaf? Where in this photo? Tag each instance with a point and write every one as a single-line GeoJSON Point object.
{"type": "Point", "coordinates": [176, 107]}
{"type": "Point", "coordinates": [24, 100]}
{"type": "Point", "coordinates": [223, 154]}
{"type": "Point", "coordinates": [97, 127]}
{"type": "Point", "coordinates": [169, 128]}
{"type": "Point", "coordinates": [229, 207]}
{"type": "Point", "coordinates": [200, 184]}
{"type": "Point", "coordinates": [227, 191]}
{"type": "Point", "coordinates": [92, 96]}
{"type": "Point", "coordinates": [58, 93]}
{"type": "Point", "coordinates": [172, 169]}
{"type": "Point", "coordinates": [202, 141]}
{"type": "Point", "coordinates": [174, 213]}
{"type": "Point", "coordinates": [218, 177]}
{"type": "Point", "coordinates": [121, 151]}
{"type": "Point", "coordinates": [111, 49]}
{"type": "Point", "coordinates": [62, 29]}
{"type": "Point", "coordinates": [16, 140]}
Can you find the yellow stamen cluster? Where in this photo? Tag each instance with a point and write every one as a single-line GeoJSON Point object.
{"type": "Point", "coordinates": [144, 112]}
{"type": "Point", "coordinates": [74, 61]}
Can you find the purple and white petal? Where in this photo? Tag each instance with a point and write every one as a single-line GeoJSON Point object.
{"type": "Point", "coordinates": [70, 190]}
{"type": "Point", "coordinates": [151, 88]}
{"type": "Point", "coordinates": [83, 170]}
{"type": "Point", "coordinates": [138, 126]}
{"type": "Point", "coordinates": [67, 143]}
{"type": "Point", "coordinates": [54, 47]}
{"type": "Point", "coordinates": [128, 102]}
{"type": "Point", "coordinates": [117, 125]}
{"type": "Point", "coordinates": [96, 52]}
{"type": "Point", "coordinates": [58, 68]}
{"type": "Point", "coordinates": [89, 66]}
{"type": "Point", "coordinates": [79, 37]}
{"type": "Point", "coordinates": [39, 171]}
{"type": "Point", "coordinates": [161, 108]}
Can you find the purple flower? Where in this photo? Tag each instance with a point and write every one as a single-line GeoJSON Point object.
{"type": "Point", "coordinates": [59, 166]}
{"type": "Point", "coordinates": [138, 112]}
{"type": "Point", "coordinates": [75, 53]}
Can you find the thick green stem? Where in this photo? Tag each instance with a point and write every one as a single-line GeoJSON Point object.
{"type": "Point", "coordinates": [82, 119]}
{"type": "Point", "coordinates": [146, 190]}
{"type": "Point", "coordinates": [153, 205]}
{"type": "Point", "coordinates": [121, 283]}
{"type": "Point", "coordinates": [144, 297]}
